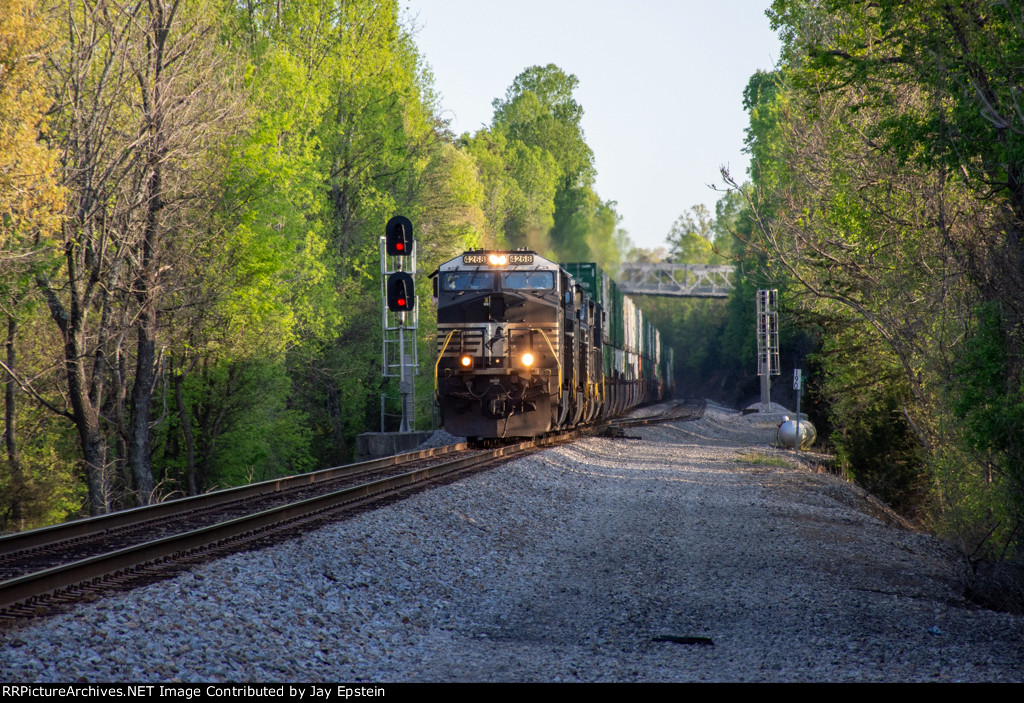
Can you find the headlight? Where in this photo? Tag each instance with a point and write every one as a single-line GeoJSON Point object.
{"type": "Point", "coordinates": [466, 361]}
{"type": "Point", "coordinates": [527, 359]}
{"type": "Point", "coordinates": [497, 259]}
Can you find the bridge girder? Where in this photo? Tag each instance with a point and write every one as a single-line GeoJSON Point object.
{"type": "Point", "coordinates": [676, 280]}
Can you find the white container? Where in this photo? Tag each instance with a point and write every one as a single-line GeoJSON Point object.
{"type": "Point", "coordinates": [786, 435]}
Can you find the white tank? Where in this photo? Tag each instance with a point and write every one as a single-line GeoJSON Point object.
{"type": "Point", "coordinates": [787, 434]}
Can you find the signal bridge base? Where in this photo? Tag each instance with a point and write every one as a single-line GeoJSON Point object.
{"type": "Point", "coordinates": [374, 445]}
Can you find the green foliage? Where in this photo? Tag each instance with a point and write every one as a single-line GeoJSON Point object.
{"type": "Point", "coordinates": [877, 449]}
{"type": "Point", "coordinates": [345, 139]}
{"type": "Point", "coordinates": [690, 238]}
{"type": "Point", "coordinates": [259, 436]}
{"type": "Point", "coordinates": [30, 198]}
{"type": "Point", "coordinates": [763, 459]}
{"type": "Point", "coordinates": [693, 327]}
{"type": "Point", "coordinates": [538, 173]}
{"type": "Point", "coordinates": [963, 57]}
{"type": "Point", "coordinates": [276, 261]}
{"type": "Point", "coordinates": [300, 131]}
{"type": "Point", "coordinates": [992, 412]}
{"type": "Point", "coordinates": [540, 111]}
{"type": "Point", "coordinates": [242, 424]}
{"type": "Point", "coordinates": [888, 201]}
{"type": "Point", "coordinates": [41, 481]}
{"type": "Point", "coordinates": [867, 398]}
{"type": "Point", "coordinates": [52, 489]}
{"type": "Point", "coordinates": [714, 341]}
{"type": "Point", "coordinates": [974, 506]}
{"type": "Point", "coordinates": [448, 207]}
{"type": "Point", "coordinates": [987, 392]}
{"type": "Point", "coordinates": [519, 183]}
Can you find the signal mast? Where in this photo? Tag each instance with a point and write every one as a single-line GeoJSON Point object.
{"type": "Point", "coordinates": [399, 314]}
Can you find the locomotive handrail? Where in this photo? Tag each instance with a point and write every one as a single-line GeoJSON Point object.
{"type": "Point", "coordinates": [552, 350]}
{"type": "Point", "coordinates": [437, 364]}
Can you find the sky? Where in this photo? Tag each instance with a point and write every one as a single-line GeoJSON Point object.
{"type": "Point", "coordinates": [660, 81]}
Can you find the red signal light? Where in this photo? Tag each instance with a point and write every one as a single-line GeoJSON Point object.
{"type": "Point", "coordinates": [401, 292]}
{"type": "Point", "coordinates": [398, 236]}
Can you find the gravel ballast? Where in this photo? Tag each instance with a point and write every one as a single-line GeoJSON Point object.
{"type": "Point", "coordinates": [698, 553]}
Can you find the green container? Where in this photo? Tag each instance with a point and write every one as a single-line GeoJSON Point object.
{"type": "Point", "coordinates": [590, 278]}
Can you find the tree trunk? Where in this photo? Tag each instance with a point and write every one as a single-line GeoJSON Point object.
{"type": "Point", "coordinates": [10, 423]}
{"type": "Point", "coordinates": [147, 283]}
{"type": "Point", "coordinates": [142, 394]}
{"type": "Point", "coordinates": [85, 396]}
{"type": "Point", "coordinates": [186, 429]}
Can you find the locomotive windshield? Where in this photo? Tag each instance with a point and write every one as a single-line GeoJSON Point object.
{"type": "Point", "coordinates": [467, 280]}
{"type": "Point", "coordinates": [528, 280]}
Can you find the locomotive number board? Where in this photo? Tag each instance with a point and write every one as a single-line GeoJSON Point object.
{"type": "Point", "coordinates": [483, 259]}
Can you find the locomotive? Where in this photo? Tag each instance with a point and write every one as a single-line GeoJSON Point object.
{"type": "Point", "coordinates": [526, 346]}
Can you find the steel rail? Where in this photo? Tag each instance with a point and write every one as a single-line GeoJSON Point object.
{"type": "Point", "coordinates": [83, 574]}
{"type": "Point", "coordinates": [89, 527]}
{"type": "Point", "coordinates": [24, 590]}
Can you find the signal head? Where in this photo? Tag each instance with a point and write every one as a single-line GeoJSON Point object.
{"type": "Point", "coordinates": [398, 236]}
{"type": "Point", "coordinates": [401, 292]}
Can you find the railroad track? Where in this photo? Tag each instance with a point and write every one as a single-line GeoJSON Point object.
{"type": "Point", "coordinates": [683, 411]}
{"type": "Point", "coordinates": [50, 546]}
{"type": "Point", "coordinates": [52, 564]}
{"type": "Point", "coordinates": [45, 568]}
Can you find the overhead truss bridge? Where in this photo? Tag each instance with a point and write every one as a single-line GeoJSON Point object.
{"type": "Point", "coordinates": [676, 280]}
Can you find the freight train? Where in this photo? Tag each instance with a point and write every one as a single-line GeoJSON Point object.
{"type": "Point", "coordinates": [526, 346]}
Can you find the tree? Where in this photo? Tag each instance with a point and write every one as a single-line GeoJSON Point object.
{"type": "Point", "coordinates": [887, 186]}
{"type": "Point", "coordinates": [539, 110]}
{"type": "Point", "coordinates": [520, 182]}
{"type": "Point", "coordinates": [137, 113]}
{"type": "Point", "coordinates": [536, 159]}
{"type": "Point", "coordinates": [30, 198]}
{"type": "Point", "coordinates": [347, 121]}
{"type": "Point", "coordinates": [30, 201]}
{"type": "Point", "coordinates": [691, 235]}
